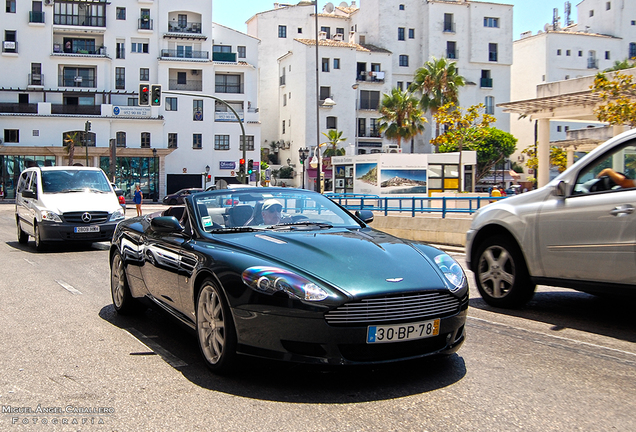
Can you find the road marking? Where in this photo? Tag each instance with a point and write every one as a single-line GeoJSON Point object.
{"type": "Point", "coordinates": [68, 287]}
{"type": "Point", "coordinates": [149, 343]}
{"type": "Point", "coordinates": [30, 262]}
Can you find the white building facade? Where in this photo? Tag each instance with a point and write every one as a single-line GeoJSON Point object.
{"type": "Point", "coordinates": [75, 62]}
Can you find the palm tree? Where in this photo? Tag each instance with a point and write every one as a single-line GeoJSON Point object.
{"type": "Point", "coordinates": [333, 139]}
{"type": "Point", "coordinates": [71, 139]}
{"type": "Point", "coordinates": [438, 81]}
{"type": "Point", "coordinates": [401, 119]}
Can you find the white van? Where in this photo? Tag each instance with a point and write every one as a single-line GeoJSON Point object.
{"type": "Point", "coordinates": [65, 203]}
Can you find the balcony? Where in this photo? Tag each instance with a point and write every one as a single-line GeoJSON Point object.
{"type": "Point", "coordinates": [9, 47]}
{"type": "Point", "coordinates": [229, 88]}
{"type": "Point", "coordinates": [373, 76]}
{"type": "Point", "coordinates": [371, 133]}
{"type": "Point", "coordinates": [199, 55]}
{"type": "Point", "coordinates": [22, 108]}
{"type": "Point", "coordinates": [36, 79]}
{"type": "Point", "coordinates": [76, 81]}
{"type": "Point", "coordinates": [452, 54]}
{"type": "Point", "coordinates": [36, 17]}
{"type": "Point", "coordinates": [485, 83]}
{"type": "Point", "coordinates": [189, 85]}
{"type": "Point", "coordinates": [144, 23]}
{"type": "Point", "coordinates": [592, 63]}
{"type": "Point", "coordinates": [188, 27]}
{"type": "Point", "coordinates": [76, 109]}
{"type": "Point", "coordinates": [81, 21]}
{"type": "Point", "coordinates": [97, 51]}
{"type": "Point", "coordinates": [224, 57]}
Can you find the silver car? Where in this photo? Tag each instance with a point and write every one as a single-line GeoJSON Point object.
{"type": "Point", "coordinates": [579, 231]}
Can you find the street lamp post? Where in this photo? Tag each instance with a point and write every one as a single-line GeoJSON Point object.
{"type": "Point", "coordinates": [355, 119]}
{"type": "Point", "coordinates": [318, 177]}
{"type": "Point", "coordinates": [156, 174]}
{"type": "Point", "coordinates": [205, 176]}
{"type": "Point", "coordinates": [303, 153]}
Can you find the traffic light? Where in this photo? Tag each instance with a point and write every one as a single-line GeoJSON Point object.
{"type": "Point", "coordinates": [156, 95]}
{"type": "Point", "coordinates": [250, 166]}
{"type": "Point", "coordinates": [242, 166]}
{"type": "Point", "coordinates": [144, 95]}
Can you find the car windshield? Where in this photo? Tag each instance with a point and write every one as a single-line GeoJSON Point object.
{"type": "Point", "coordinates": [67, 181]}
{"type": "Point", "coordinates": [268, 209]}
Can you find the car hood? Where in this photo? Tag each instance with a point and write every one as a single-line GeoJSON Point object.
{"type": "Point", "coordinates": [80, 201]}
{"type": "Point", "coordinates": [359, 262]}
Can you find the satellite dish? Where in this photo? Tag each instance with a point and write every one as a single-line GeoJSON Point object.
{"type": "Point", "coordinates": [344, 5]}
{"type": "Point", "coordinates": [329, 7]}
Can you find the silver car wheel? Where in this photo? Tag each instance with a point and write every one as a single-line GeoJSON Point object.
{"type": "Point", "coordinates": [496, 271]}
{"type": "Point", "coordinates": [211, 324]}
{"type": "Point", "coordinates": [117, 278]}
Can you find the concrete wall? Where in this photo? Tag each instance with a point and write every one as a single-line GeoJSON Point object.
{"type": "Point", "coordinates": [431, 229]}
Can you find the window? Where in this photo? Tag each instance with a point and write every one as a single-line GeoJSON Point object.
{"type": "Point", "coordinates": [11, 135]}
{"type": "Point", "coordinates": [332, 123]}
{"type": "Point", "coordinates": [325, 92]}
{"type": "Point", "coordinates": [336, 63]}
{"type": "Point", "coordinates": [451, 49]}
{"type": "Point", "coordinates": [340, 31]}
{"type": "Point", "coordinates": [300, 30]}
{"type": "Point", "coordinates": [228, 83]}
{"type": "Point", "coordinates": [197, 140]}
{"type": "Point", "coordinates": [491, 22]}
{"type": "Point", "coordinates": [567, 53]}
{"type": "Point", "coordinates": [10, 7]}
{"type": "Point", "coordinates": [404, 60]}
{"type": "Point", "coordinates": [592, 13]}
{"type": "Point", "coordinates": [250, 142]}
{"type": "Point", "coordinates": [144, 74]}
{"type": "Point", "coordinates": [171, 104]}
{"type": "Point", "coordinates": [172, 140]}
{"type": "Point", "coordinates": [283, 127]}
{"type": "Point", "coordinates": [282, 31]}
{"type": "Point", "coordinates": [449, 25]}
{"type": "Point", "coordinates": [36, 74]}
{"type": "Point", "coordinates": [120, 49]}
{"type": "Point", "coordinates": [486, 80]}
{"type": "Point", "coordinates": [401, 33]}
{"type": "Point", "coordinates": [400, 85]}
{"type": "Point", "coordinates": [492, 52]}
{"type": "Point", "coordinates": [325, 65]}
{"type": "Point", "coordinates": [411, 33]}
{"type": "Point", "coordinates": [558, 128]}
{"type": "Point", "coordinates": [241, 51]}
{"type": "Point", "coordinates": [120, 139]}
{"type": "Point", "coordinates": [121, 13]}
{"type": "Point", "coordinates": [608, 5]}
{"type": "Point", "coordinates": [221, 142]}
{"type": "Point", "coordinates": [566, 128]}
{"type": "Point", "coordinates": [120, 78]}
{"type": "Point", "coordinates": [580, 53]}
{"type": "Point", "coordinates": [10, 41]}
{"type": "Point", "coordinates": [632, 50]}
{"type": "Point", "coordinates": [197, 110]}
{"type": "Point", "coordinates": [182, 78]}
{"type": "Point", "coordinates": [369, 99]}
{"type": "Point", "coordinates": [558, 52]}
{"type": "Point", "coordinates": [284, 99]}
{"type": "Point", "coordinates": [139, 47]}
{"type": "Point", "coordinates": [145, 140]}
{"type": "Point", "coordinates": [327, 31]}
{"type": "Point", "coordinates": [182, 21]}
{"type": "Point", "coordinates": [401, 7]}
{"type": "Point", "coordinates": [607, 55]}
{"type": "Point", "coordinates": [490, 105]}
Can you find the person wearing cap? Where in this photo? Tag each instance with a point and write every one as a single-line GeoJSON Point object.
{"type": "Point", "coordinates": [271, 212]}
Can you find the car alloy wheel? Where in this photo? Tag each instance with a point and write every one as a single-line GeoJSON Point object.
{"type": "Point", "coordinates": [23, 238]}
{"type": "Point", "coordinates": [173, 201]}
{"type": "Point", "coordinates": [123, 301]}
{"type": "Point", "coordinates": [215, 329]}
{"type": "Point", "coordinates": [501, 274]}
{"type": "Point", "coordinates": [39, 244]}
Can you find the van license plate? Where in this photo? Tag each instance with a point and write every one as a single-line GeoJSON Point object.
{"type": "Point", "coordinates": [402, 332]}
{"type": "Point", "coordinates": [87, 229]}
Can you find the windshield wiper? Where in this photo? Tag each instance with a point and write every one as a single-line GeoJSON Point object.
{"type": "Point", "coordinates": [300, 224]}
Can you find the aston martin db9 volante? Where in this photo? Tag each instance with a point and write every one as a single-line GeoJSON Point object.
{"type": "Point", "coordinates": [288, 274]}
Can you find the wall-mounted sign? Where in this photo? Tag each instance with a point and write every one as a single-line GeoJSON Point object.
{"type": "Point", "coordinates": [131, 111]}
{"type": "Point", "coordinates": [227, 165]}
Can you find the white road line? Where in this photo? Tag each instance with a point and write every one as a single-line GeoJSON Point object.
{"type": "Point", "coordinates": [30, 262]}
{"type": "Point", "coordinates": [68, 287]}
{"type": "Point", "coordinates": [149, 343]}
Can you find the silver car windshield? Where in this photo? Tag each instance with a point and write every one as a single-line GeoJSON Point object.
{"type": "Point", "coordinates": [255, 209]}
{"type": "Point", "coordinates": [68, 181]}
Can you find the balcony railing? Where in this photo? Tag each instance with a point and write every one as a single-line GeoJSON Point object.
{"type": "Point", "coordinates": [76, 82]}
{"type": "Point", "coordinates": [144, 24]}
{"type": "Point", "coordinates": [224, 57]}
{"type": "Point", "coordinates": [36, 79]}
{"type": "Point", "coordinates": [486, 82]}
{"type": "Point", "coordinates": [9, 46]}
{"type": "Point", "coordinates": [76, 109]}
{"type": "Point", "coordinates": [592, 63]}
{"type": "Point", "coordinates": [76, 20]}
{"type": "Point", "coordinates": [449, 27]}
{"type": "Point", "coordinates": [170, 53]}
{"type": "Point", "coordinates": [99, 51]}
{"type": "Point", "coordinates": [372, 76]}
{"type": "Point", "coordinates": [36, 17]}
{"type": "Point", "coordinates": [189, 27]}
{"type": "Point", "coordinates": [228, 88]}
{"type": "Point", "coordinates": [492, 56]}
{"type": "Point", "coordinates": [452, 54]}
{"type": "Point", "coordinates": [189, 85]}
{"type": "Point", "coordinates": [370, 132]}
{"type": "Point", "coordinates": [23, 108]}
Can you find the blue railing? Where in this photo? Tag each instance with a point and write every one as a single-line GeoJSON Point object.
{"type": "Point", "coordinates": [412, 205]}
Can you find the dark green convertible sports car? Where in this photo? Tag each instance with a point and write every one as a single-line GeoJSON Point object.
{"type": "Point", "coordinates": [288, 274]}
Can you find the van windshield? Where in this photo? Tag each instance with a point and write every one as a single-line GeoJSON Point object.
{"type": "Point", "coordinates": [74, 181]}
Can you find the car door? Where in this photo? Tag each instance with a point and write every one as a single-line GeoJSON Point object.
{"type": "Point", "coordinates": [590, 235]}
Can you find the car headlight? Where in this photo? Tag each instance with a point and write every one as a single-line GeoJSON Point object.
{"type": "Point", "coordinates": [270, 280]}
{"type": "Point", "coordinates": [48, 215]}
{"type": "Point", "coordinates": [117, 215]}
{"type": "Point", "coordinates": [452, 271]}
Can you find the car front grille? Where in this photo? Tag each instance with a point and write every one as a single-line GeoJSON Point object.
{"type": "Point", "coordinates": [76, 217]}
{"type": "Point", "coordinates": [395, 308]}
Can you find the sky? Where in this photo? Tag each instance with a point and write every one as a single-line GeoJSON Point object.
{"type": "Point", "coordinates": [527, 14]}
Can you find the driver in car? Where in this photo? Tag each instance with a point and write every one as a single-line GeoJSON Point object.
{"type": "Point", "coordinates": [618, 178]}
{"type": "Point", "coordinates": [271, 212]}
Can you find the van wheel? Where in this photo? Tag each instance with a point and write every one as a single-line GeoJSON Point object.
{"type": "Point", "coordinates": [23, 238]}
{"type": "Point", "coordinates": [39, 244]}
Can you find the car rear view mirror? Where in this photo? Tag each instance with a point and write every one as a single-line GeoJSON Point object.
{"type": "Point", "coordinates": [561, 189]}
{"type": "Point", "coordinates": [365, 215]}
{"type": "Point", "coordinates": [166, 224]}
{"type": "Point", "coordinates": [29, 194]}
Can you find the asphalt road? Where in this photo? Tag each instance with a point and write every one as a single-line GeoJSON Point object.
{"type": "Point", "coordinates": [565, 362]}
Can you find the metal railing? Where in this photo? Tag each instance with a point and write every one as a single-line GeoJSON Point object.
{"type": "Point", "coordinates": [412, 205]}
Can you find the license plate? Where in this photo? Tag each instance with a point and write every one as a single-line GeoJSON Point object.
{"type": "Point", "coordinates": [402, 332]}
{"type": "Point", "coordinates": [87, 229]}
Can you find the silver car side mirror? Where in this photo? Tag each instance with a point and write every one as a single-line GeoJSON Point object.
{"type": "Point", "coordinates": [561, 189]}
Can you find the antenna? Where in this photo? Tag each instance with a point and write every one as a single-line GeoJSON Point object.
{"type": "Point", "coordinates": [555, 19]}
{"type": "Point", "coordinates": [568, 7]}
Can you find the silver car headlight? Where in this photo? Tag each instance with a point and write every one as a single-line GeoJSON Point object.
{"type": "Point", "coordinates": [117, 215]}
{"type": "Point", "coordinates": [270, 280]}
{"type": "Point", "coordinates": [452, 271]}
{"type": "Point", "coordinates": [48, 215]}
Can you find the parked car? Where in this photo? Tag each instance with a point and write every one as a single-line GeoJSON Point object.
{"type": "Point", "coordinates": [318, 286]}
{"type": "Point", "coordinates": [65, 203]}
{"type": "Point", "coordinates": [578, 232]}
{"type": "Point", "coordinates": [177, 197]}
{"type": "Point", "coordinates": [120, 196]}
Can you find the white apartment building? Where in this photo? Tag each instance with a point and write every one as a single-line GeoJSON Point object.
{"type": "Point", "coordinates": [74, 62]}
{"type": "Point", "coordinates": [375, 47]}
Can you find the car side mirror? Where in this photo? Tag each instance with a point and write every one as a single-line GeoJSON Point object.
{"type": "Point", "coordinates": [29, 194]}
{"type": "Point", "coordinates": [166, 224]}
{"type": "Point", "coordinates": [365, 215]}
{"type": "Point", "coordinates": [561, 189]}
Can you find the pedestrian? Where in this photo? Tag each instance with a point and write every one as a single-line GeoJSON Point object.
{"type": "Point", "coordinates": [139, 195]}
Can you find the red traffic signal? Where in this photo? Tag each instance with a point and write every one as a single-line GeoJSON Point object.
{"type": "Point", "coordinates": [242, 166]}
{"type": "Point", "coordinates": [144, 95]}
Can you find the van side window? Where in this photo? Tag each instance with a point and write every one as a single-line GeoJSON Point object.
{"type": "Point", "coordinates": [24, 181]}
{"type": "Point", "coordinates": [34, 182]}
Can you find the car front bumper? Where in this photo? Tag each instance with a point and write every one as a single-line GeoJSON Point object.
{"type": "Point", "coordinates": [52, 232]}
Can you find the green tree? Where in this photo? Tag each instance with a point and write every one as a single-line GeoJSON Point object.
{"type": "Point", "coordinates": [619, 99]}
{"type": "Point", "coordinates": [401, 119]}
{"type": "Point", "coordinates": [620, 65]}
{"type": "Point", "coordinates": [333, 139]}
{"type": "Point", "coordinates": [438, 81]}
{"type": "Point", "coordinates": [72, 139]}
{"type": "Point", "coordinates": [558, 157]}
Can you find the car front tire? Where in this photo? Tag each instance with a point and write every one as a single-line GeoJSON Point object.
{"type": "Point", "coordinates": [215, 328]}
{"type": "Point", "coordinates": [123, 301]}
{"type": "Point", "coordinates": [502, 274]}
{"type": "Point", "coordinates": [23, 238]}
